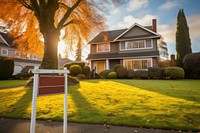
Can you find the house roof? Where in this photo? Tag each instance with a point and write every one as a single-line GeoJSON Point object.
{"type": "Point", "coordinates": [63, 61]}
{"type": "Point", "coordinates": [6, 40]}
{"type": "Point", "coordinates": [122, 55]}
{"type": "Point", "coordinates": [114, 35]}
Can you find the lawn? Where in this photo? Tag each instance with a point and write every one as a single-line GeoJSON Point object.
{"type": "Point", "coordinates": [167, 104]}
{"type": "Point", "coordinates": [11, 83]}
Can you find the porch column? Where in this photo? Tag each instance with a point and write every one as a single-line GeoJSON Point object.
{"type": "Point", "coordinates": [90, 64]}
{"type": "Point", "coordinates": [107, 64]}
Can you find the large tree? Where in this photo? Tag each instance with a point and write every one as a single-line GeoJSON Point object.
{"type": "Point", "coordinates": [183, 42]}
{"type": "Point", "coordinates": [34, 20]}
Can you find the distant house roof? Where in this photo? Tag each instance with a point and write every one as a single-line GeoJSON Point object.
{"type": "Point", "coordinates": [63, 61]}
{"type": "Point", "coordinates": [24, 60]}
{"type": "Point", "coordinates": [6, 40]}
{"type": "Point", "coordinates": [113, 35]}
{"type": "Point", "coordinates": [27, 68]}
{"type": "Point", "coordinates": [122, 55]}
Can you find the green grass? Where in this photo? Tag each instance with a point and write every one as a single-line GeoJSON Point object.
{"type": "Point", "coordinates": [167, 104]}
{"type": "Point", "coordinates": [11, 83]}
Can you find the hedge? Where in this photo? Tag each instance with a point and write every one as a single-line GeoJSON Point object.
{"type": "Point", "coordinates": [86, 70]}
{"type": "Point", "coordinates": [121, 72]}
{"type": "Point", "coordinates": [117, 66]}
{"type": "Point", "coordinates": [104, 74]}
{"type": "Point", "coordinates": [75, 70]}
{"type": "Point", "coordinates": [6, 68]}
{"type": "Point", "coordinates": [68, 65]}
{"type": "Point", "coordinates": [174, 73]}
{"type": "Point", "coordinates": [112, 75]}
{"type": "Point", "coordinates": [154, 73]}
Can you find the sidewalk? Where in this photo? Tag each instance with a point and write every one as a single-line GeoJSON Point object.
{"type": "Point", "coordinates": [23, 126]}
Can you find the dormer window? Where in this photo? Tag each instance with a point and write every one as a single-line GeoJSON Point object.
{"type": "Point", "coordinates": [103, 47]}
{"type": "Point", "coordinates": [4, 51]}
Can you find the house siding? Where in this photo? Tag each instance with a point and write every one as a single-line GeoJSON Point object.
{"type": "Point", "coordinates": [136, 31]}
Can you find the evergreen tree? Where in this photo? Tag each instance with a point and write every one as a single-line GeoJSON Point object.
{"type": "Point", "coordinates": [79, 50]}
{"type": "Point", "coordinates": [183, 42]}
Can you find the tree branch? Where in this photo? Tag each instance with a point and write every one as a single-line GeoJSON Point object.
{"type": "Point", "coordinates": [67, 14]}
{"type": "Point", "coordinates": [25, 4]}
{"type": "Point", "coordinates": [35, 7]}
{"type": "Point", "coordinates": [68, 23]}
{"type": "Point", "coordinates": [64, 6]}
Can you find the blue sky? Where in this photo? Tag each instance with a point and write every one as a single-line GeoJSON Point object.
{"type": "Point", "coordinates": [165, 11]}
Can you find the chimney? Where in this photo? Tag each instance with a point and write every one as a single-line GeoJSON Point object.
{"type": "Point", "coordinates": [154, 25]}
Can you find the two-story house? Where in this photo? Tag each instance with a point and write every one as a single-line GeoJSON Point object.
{"type": "Point", "coordinates": [135, 48]}
{"type": "Point", "coordinates": [21, 60]}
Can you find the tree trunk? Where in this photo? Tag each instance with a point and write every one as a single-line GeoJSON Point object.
{"type": "Point", "coordinates": [51, 39]}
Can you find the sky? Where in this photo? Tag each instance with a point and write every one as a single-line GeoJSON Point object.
{"type": "Point", "coordinates": [165, 11]}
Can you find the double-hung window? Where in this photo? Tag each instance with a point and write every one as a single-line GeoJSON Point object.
{"type": "Point", "coordinates": [103, 47]}
{"type": "Point", "coordinates": [134, 45]}
{"type": "Point", "coordinates": [4, 51]}
{"type": "Point", "coordinates": [138, 64]}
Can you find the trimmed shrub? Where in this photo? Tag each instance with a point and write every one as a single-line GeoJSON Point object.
{"type": "Point", "coordinates": [174, 72]}
{"type": "Point", "coordinates": [81, 76]}
{"type": "Point", "coordinates": [154, 73]}
{"type": "Point", "coordinates": [130, 73]}
{"type": "Point", "coordinates": [191, 65]}
{"type": "Point", "coordinates": [112, 75]}
{"type": "Point", "coordinates": [117, 66]}
{"type": "Point", "coordinates": [86, 70]}
{"type": "Point", "coordinates": [104, 74]}
{"type": "Point", "coordinates": [75, 70]}
{"type": "Point", "coordinates": [121, 72]}
{"type": "Point", "coordinates": [140, 74]}
{"type": "Point", "coordinates": [6, 68]}
{"type": "Point", "coordinates": [68, 65]}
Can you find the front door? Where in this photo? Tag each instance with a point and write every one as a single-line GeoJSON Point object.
{"type": "Point", "coordinates": [100, 66]}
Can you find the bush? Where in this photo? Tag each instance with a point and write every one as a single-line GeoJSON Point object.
{"type": "Point", "coordinates": [86, 70]}
{"type": "Point", "coordinates": [68, 65]}
{"type": "Point", "coordinates": [117, 66]}
{"type": "Point", "coordinates": [174, 72]}
{"type": "Point", "coordinates": [140, 74]}
{"type": "Point", "coordinates": [121, 72]}
{"type": "Point", "coordinates": [104, 74]}
{"type": "Point", "coordinates": [6, 68]}
{"type": "Point", "coordinates": [130, 74]}
{"type": "Point", "coordinates": [191, 64]}
{"type": "Point", "coordinates": [112, 75]}
{"type": "Point", "coordinates": [81, 76]}
{"type": "Point", "coordinates": [154, 73]}
{"type": "Point", "coordinates": [23, 75]}
{"type": "Point", "coordinates": [75, 70]}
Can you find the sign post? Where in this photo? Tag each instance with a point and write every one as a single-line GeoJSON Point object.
{"type": "Point", "coordinates": [48, 84]}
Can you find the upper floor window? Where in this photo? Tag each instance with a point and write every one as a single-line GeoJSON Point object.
{"type": "Point", "coordinates": [133, 45]}
{"type": "Point", "coordinates": [4, 51]}
{"type": "Point", "coordinates": [104, 47]}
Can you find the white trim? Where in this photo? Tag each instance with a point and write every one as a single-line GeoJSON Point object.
{"type": "Point", "coordinates": [5, 50]}
{"type": "Point", "coordinates": [145, 45]}
{"type": "Point", "coordinates": [107, 64]}
{"type": "Point", "coordinates": [125, 58]}
{"type": "Point", "coordinates": [148, 59]}
{"type": "Point", "coordinates": [136, 24]}
{"type": "Point", "coordinates": [4, 41]}
{"type": "Point", "coordinates": [102, 51]}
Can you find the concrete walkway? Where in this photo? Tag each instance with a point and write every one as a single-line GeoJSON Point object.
{"type": "Point", "coordinates": [23, 126]}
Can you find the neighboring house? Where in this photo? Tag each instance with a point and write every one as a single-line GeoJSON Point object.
{"type": "Point", "coordinates": [63, 61]}
{"type": "Point", "coordinates": [163, 50]}
{"type": "Point", "coordinates": [21, 60]}
{"type": "Point", "coordinates": [135, 48]}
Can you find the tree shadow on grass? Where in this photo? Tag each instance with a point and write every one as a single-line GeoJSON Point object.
{"type": "Point", "coordinates": [85, 112]}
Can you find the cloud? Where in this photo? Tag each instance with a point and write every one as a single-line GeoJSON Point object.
{"type": "Point", "coordinates": [130, 20]}
{"type": "Point", "coordinates": [168, 5]}
{"type": "Point", "coordinates": [137, 4]}
{"type": "Point", "coordinates": [168, 31]}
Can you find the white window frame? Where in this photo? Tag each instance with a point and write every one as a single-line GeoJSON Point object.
{"type": "Point", "coordinates": [3, 50]}
{"type": "Point", "coordinates": [103, 51]}
{"type": "Point", "coordinates": [148, 59]}
{"type": "Point", "coordinates": [145, 45]}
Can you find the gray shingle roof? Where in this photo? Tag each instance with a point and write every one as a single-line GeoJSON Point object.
{"type": "Point", "coordinates": [8, 39]}
{"type": "Point", "coordinates": [122, 55]}
{"type": "Point", "coordinates": [112, 34]}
